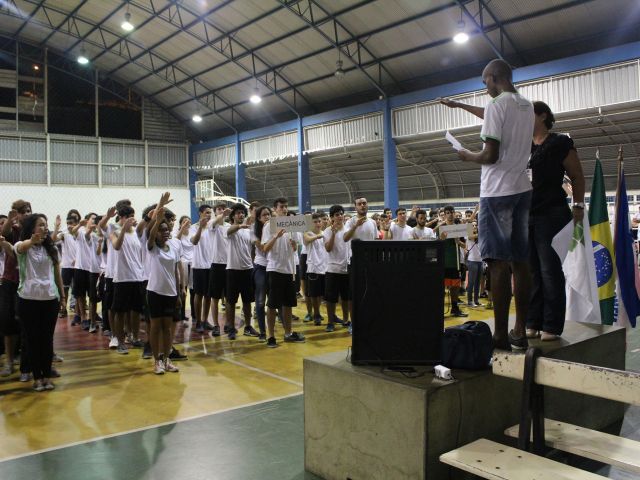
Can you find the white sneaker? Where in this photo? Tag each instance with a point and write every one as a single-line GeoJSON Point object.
{"type": "Point", "coordinates": [170, 367]}
{"type": "Point", "coordinates": [113, 343]}
{"type": "Point", "coordinates": [92, 328]}
{"type": "Point", "coordinates": [158, 367]}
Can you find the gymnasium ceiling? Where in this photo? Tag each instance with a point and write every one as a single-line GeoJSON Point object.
{"type": "Point", "coordinates": [206, 57]}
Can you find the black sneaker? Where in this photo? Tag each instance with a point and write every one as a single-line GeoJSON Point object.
{"type": "Point", "coordinates": [137, 344]}
{"type": "Point", "coordinates": [456, 312]}
{"type": "Point", "coordinates": [85, 325]}
{"type": "Point", "coordinates": [294, 337]}
{"type": "Point", "coordinates": [338, 320]}
{"type": "Point", "coordinates": [317, 320]}
{"type": "Point", "coordinates": [294, 318]}
{"type": "Point", "coordinates": [518, 343]}
{"type": "Point", "coordinates": [175, 355]}
{"type": "Point", "coordinates": [226, 329]}
{"type": "Point", "coordinates": [216, 331]}
{"type": "Point", "coordinates": [75, 321]}
{"type": "Point", "coordinates": [207, 326]}
{"type": "Point", "coordinates": [262, 337]}
{"type": "Point", "coordinates": [146, 352]}
{"type": "Point", "coordinates": [249, 331]}
{"type": "Point", "coordinates": [271, 342]}
{"type": "Point", "coordinates": [330, 328]}
{"type": "Point", "coordinates": [232, 334]}
{"type": "Point", "coordinates": [199, 327]}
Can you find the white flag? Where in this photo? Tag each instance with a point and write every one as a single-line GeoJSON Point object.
{"type": "Point", "coordinates": [573, 246]}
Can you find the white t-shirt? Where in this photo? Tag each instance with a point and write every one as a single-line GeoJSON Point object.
{"type": "Point", "coordinates": [297, 237]}
{"type": "Point", "coordinates": [162, 269]}
{"type": "Point", "coordinates": [400, 233]}
{"type": "Point", "coordinates": [69, 250]}
{"type": "Point", "coordinates": [367, 231]}
{"type": "Point", "coordinates": [637, 218]}
{"type": "Point", "coordinates": [317, 257]}
{"type": "Point", "coordinates": [239, 249]}
{"type": "Point", "coordinates": [474, 251]}
{"type": "Point", "coordinates": [509, 119]}
{"type": "Point", "coordinates": [187, 249]}
{"type": "Point", "coordinates": [37, 279]}
{"type": "Point", "coordinates": [86, 258]}
{"type": "Point", "coordinates": [338, 257]}
{"type": "Point", "coordinates": [219, 243]}
{"type": "Point", "coordinates": [422, 233]}
{"type": "Point", "coordinates": [280, 257]}
{"type": "Point", "coordinates": [202, 253]}
{"type": "Point", "coordinates": [260, 258]}
{"type": "Point", "coordinates": [129, 260]}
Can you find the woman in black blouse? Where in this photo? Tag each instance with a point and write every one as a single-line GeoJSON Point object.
{"type": "Point", "coordinates": [553, 156]}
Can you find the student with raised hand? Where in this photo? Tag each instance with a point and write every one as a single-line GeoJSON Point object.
{"type": "Point", "coordinates": [316, 265]}
{"type": "Point", "coordinates": [10, 326]}
{"type": "Point", "coordinates": [40, 293]}
{"type": "Point", "coordinates": [218, 271]}
{"type": "Point", "coordinates": [263, 217]}
{"type": "Point", "coordinates": [337, 276]}
{"type": "Point", "coordinates": [128, 286]}
{"type": "Point", "coordinates": [186, 260]}
{"type": "Point", "coordinates": [281, 277]}
{"type": "Point", "coordinates": [108, 229]}
{"type": "Point", "coordinates": [69, 252]}
{"type": "Point", "coordinates": [200, 236]}
{"type": "Point", "coordinates": [239, 270]}
{"type": "Point", "coordinates": [162, 291]}
{"type": "Point", "coordinates": [87, 271]}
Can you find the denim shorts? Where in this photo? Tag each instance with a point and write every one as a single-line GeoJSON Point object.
{"type": "Point", "coordinates": [503, 227]}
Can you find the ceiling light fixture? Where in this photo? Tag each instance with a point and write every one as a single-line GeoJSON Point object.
{"type": "Point", "coordinates": [127, 26]}
{"type": "Point", "coordinates": [196, 118]}
{"type": "Point", "coordinates": [255, 98]}
{"type": "Point", "coordinates": [36, 68]}
{"type": "Point", "coordinates": [461, 37]}
{"type": "Point", "coordinates": [339, 73]}
{"type": "Point", "coordinates": [82, 57]}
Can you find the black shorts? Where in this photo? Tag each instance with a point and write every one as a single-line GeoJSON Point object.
{"type": "Point", "coordinates": [201, 281]}
{"type": "Point", "coordinates": [452, 273]}
{"type": "Point", "coordinates": [85, 284]}
{"type": "Point", "coordinates": [128, 297]}
{"type": "Point", "coordinates": [239, 283]}
{"type": "Point", "coordinates": [107, 299]}
{"type": "Point", "coordinates": [281, 290]}
{"type": "Point", "coordinates": [9, 324]}
{"type": "Point", "coordinates": [336, 285]}
{"type": "Point", "coordinates": [303, 266]}
{"type": "Point", "coordinates": [67, 276]}
{"type": "Point", "coordinates": [217, 280]}
{"type": "Point", "coordinates": [162, 305]}
{"type": "Point", "coordinates": [314, 285]}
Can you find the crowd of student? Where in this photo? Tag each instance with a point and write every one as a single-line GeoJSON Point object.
{"type": "Point", "coordinates": [146, 270]}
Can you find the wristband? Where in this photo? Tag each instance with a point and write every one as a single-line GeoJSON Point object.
{"type": "Point", "coordinates": [579, 205]}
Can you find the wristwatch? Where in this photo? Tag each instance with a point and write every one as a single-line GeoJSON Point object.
{"type": "Point", "coordinates": [578, 205]}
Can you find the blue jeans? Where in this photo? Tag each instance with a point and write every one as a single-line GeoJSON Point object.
{"type": "Point", "coordinates": [259, 276]}
{"type": "Point", "coordinates": [473, 286]}
{"type": "Point", "coordinates": [503, 227]}
{"type": "Point", "coordinates": [548, 299]}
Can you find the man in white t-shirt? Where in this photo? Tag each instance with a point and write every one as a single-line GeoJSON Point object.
{"type": "Point", "coordinates": [635, 223]}
{"type": "Point", "coordinates": [505, 197]}
{"type": "Point", "coordinates": [200, 235]}
{"type": "Point", "coordinates": [398, 230]}
{"type": "Point", "coordinates": [239, 268]}
{"type": "Point", "coordinates": [421, 231]}
{"type": "Point", "coordinates": [337, 276]}
{"type": "Point", "coordinates": [360, 227]}
{"type": "Point", "coordinates": [281, 277]}
{"type": "Point", "coordinates": [218, 269]}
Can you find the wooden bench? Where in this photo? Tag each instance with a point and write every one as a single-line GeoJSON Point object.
{"type": "Point", "coordinates": [492, 460]}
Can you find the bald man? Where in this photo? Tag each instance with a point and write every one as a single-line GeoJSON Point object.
{"type": "Point", "coordinates": [505, 196]}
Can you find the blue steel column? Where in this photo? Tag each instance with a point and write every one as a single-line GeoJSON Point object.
{"type": "Point", "coordinates": [304, 182]}
{"type": "Point", "coordinates": [389, 160]}
{"type": "Point", "coordinates": [241, 181]}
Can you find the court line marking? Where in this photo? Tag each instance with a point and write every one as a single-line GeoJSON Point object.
{"type": "Point", "coordinates": [263, 372]}
{"type": "Point", "coordinates": [148, 427]}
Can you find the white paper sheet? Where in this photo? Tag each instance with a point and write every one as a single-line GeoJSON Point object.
{"type": "Point", "coordinates": [453, 141]}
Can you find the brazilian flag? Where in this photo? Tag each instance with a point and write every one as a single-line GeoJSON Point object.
{"type": "Point", "coordinates": [602, 246]}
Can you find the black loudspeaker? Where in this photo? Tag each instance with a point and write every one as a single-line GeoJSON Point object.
{"type": "Point", "coordinates": [398, 302]}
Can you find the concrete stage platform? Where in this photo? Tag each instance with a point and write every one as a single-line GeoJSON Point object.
{"type": "Point", "coordinates": [363, 423]}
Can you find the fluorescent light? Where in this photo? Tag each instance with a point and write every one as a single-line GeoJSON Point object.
{"type": "Point", "coordinates": [82, 59]}
{"type": "Point", "coordinates": [461, 38]}
{"type": "Point", "coordinates": [196, 118]}
{"type": "Point", "coordinates": [255, 98]}
{"type": "Point", "coordinates": [127, 26]}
